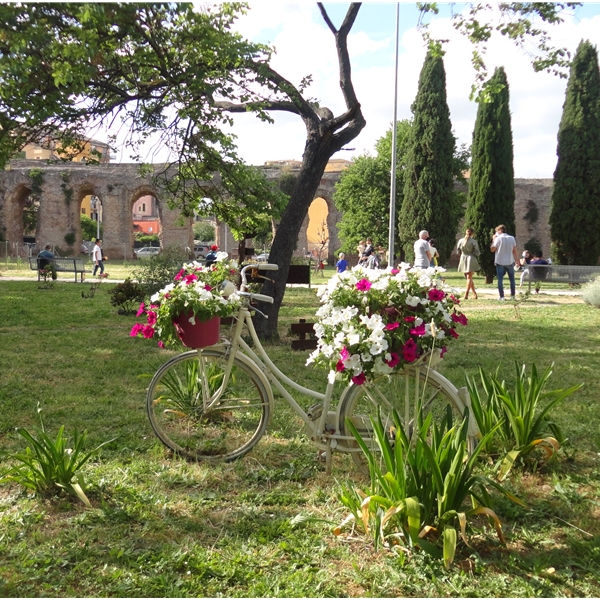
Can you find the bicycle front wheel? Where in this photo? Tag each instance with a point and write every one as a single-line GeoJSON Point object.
{"type": "Point", "coordinates": [193, 416]}
{"type": "Point", "coordinates": [405, 391]}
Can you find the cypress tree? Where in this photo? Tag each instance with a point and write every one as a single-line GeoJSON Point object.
{"type": "Point", "coordinates": [429, 199]}
{"type": "Point", "coordinates": [492, 182]}
{"type": "Point", "coordinates": [575, 212]}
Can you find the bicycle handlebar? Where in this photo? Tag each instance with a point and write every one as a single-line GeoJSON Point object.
{"type": "Point", "coordinates": [258, 267]}
{"type": "Point", "coordinates": [259, 297]}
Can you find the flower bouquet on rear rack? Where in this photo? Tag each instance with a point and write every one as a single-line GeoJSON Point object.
{"type": "Point", "coordinates": [189, 309]}
{"type": "Point", "coordinates": [373, 322]}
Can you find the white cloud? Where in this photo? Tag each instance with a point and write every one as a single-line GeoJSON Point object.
{"type": "Point", "coordinates": [305, 46]}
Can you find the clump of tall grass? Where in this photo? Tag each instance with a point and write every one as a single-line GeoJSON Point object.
{"type": "Point", "coordinates": [590, 292]}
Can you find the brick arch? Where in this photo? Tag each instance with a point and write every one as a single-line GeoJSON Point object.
{"type": "Point", "coordinates": [115, 184]}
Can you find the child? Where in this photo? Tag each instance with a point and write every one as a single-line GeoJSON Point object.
{"type": "Point", "coordinates": [341, 264]}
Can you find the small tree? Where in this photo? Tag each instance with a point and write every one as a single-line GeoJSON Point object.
{"type": "Point", "coordinates": [204, 232]}
{"type": "Point", "coordinates": [492, 187]}
{"type": "Point", "coordinates": [429, 200]}
{"type": "Point", "coordinates": [575, 213]}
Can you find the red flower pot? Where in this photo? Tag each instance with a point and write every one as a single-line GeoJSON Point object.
{"type": "Point", "coordinates": [199, 335]}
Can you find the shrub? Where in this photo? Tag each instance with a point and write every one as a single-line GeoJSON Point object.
{"type": "Point", "coordinates": [51, 465]}
{"type": "Point", "coordinates": [127, 296]}
{"type": "Point", "coordinates": [590, 293]}
{"type": "Point", "coordinates": [160, 270]}
{"type": "Point", "coordinates": [520, 425]}
{"type": "Point", "coordinates": [417, 495]}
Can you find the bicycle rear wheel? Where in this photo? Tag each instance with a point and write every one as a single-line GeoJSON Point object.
{"type": "Point", "coordinates": [191, 419]}
{"type": "Point", "coordinates": [401, 391]}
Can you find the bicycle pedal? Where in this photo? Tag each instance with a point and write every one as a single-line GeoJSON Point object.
{"type": "Point", "coordinates": [315, 411]}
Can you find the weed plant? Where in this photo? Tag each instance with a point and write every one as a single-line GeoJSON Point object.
{"type": "Point", "coordinates": [590, 293]}
{"type": "Point", "coordinates": [161, 526]}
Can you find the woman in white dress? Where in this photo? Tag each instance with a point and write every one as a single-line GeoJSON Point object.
{"type": "Point", "coordinates": [469, 251]}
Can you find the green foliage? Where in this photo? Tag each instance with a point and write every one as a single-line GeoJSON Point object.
{"type": "Point", "coordinates": [575, 211]}
{"type": "Point", "coordinates": [522, 425]}
{"type": "Point", "coordinates": [491, 187]}
{"type": "Point", "coordinates": [50, 465]}
{"type": "Point", "coordinates": [429, 200]}
{"type": "Point", "coordinates": [146, 238]}
{"type": "Point", "coordinates": [590, 292]}
{"type": "Point", "coordinates": [418, 491]}
{"type": "Point", "coordinates": [204, 232]}
{"type": "Point", "coordinates": [127, 296]}
{"type": "Point", "coordinates": [70, 238]}
{"type": "Point", "coordinates": [159, 270]}
{"type": "Point", "coordinates": [89, 228]}
{"type": "Point", "coordinates": [362, 193]}
{"type": "Point", "coordinates": [533, 245]}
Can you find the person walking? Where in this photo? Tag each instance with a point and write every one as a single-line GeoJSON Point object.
{"type": "Point", "coordinates": [422, 250]}
{"type": "Point", "coordinates": [504, 247]}
{"type": "Point", "coordinates": [468, 264]}
{"type": "Point", "coordinates": [97, 257]}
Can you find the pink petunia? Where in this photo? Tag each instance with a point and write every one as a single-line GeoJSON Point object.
{"type": "Point", "coordinates": [151, 317]}
{"type": "Point", "coordinates": [339, 366]}
{"type": "Point", "coordinates": [147, 331]}
{"type": "Point", "coordinates": [180, 275]}
{"type": "Point", "coordinates": [190, 278]}
{"type": "Point", "coordinates": [410, 351]}
{"type": "Point", "coordinates": [452, 332]}
{"type": "Point", "coordinates": [344, 354]}
{"type": "Point", "coordinates": [395, 271]}
{"type": "Point", "coordinates": [443, 351]}
{"type": "Point", "coordinates": [161, 344]}
{"type": "Point", "coordinates": [459, 318]}
{"type": "Point", "coordinates": [435, 295]}
{"type": "Point", "coordinates": [208, 287]}
{"type": "Point", "coordinates": [359, 379]}
{"type": "Point", "coordinates": [420, 330]}
{"type": "Point", "coordinates": [136, 329]}
{"type": "Point", "coordinates": [364, 285]}
{"type": "Point", "coordinates": [141, 310]}
{"type": "Point", "coordinates": [409, 319]}
{"type": "Point", "coordinates": [392, 326]}
{"type": "Point", "coordinates": [394, 360]}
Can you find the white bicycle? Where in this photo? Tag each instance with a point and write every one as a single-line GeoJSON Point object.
{"type": "Point", "coordinates": [215, 403]}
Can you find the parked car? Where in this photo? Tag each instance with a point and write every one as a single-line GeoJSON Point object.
{"type": "Point", "coordinates": [87, 247]}
{"type": "Point", "coordinates": [201, 250]}
{"type": "Point", "coordinates": [264, 257]}
{"type": "Point", "coordinates": [147, 251]}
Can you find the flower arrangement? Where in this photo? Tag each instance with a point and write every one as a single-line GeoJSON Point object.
{"type": "Point", "coordinates": [201, 292]}
{"type": "Point", "coordinates": [374, 322]}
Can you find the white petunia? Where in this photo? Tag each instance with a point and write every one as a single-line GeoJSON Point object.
{"type": "Point", "coordinates": [413, 300]}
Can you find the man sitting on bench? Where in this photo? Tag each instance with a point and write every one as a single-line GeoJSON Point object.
{"type": "Point", "coordinates": [44, 261]}
{"type": "Point", "coordinates": [538, 274]}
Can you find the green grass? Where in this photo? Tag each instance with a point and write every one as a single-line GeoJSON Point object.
{"type": "Point", "coordinates": [161, 526]}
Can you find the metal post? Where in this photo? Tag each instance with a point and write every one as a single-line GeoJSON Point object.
{"type": "Point", "coordinates": [391, 235]}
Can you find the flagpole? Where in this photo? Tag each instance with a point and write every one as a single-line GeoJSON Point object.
{"type": "Point", "coordinates": [391, 241]}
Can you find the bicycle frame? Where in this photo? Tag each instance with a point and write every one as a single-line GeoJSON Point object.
{"type": "Point", "coordinates": [324, 430]}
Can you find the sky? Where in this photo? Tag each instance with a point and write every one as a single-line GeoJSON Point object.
{"type": "Point", "coordinates": [304, 46]}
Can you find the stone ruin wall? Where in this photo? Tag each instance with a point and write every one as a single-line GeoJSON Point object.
{"type": "Point", "coordinates": [64, 186]}
{"type": "Point", "coordinates": [119, 185]}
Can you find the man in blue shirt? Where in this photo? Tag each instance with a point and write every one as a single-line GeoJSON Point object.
{"type": "Point", "coordinates": [45, 262]}
{"type": "Point", "coordinates": [504, 247]}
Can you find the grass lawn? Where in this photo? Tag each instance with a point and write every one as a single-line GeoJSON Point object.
{"type": "Point", "coordinates": [161, 526]}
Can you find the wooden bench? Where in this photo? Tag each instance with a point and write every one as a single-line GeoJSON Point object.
{"type": "Point", "coordinates": [571, 274]}
{"type": "Point", "coordinates": [301, 329]}
{"type": "Point", "coordinates": [62, 265]}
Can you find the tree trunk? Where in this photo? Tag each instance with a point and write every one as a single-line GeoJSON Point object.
{"type": "Point", "coordinates": [286, 238]}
